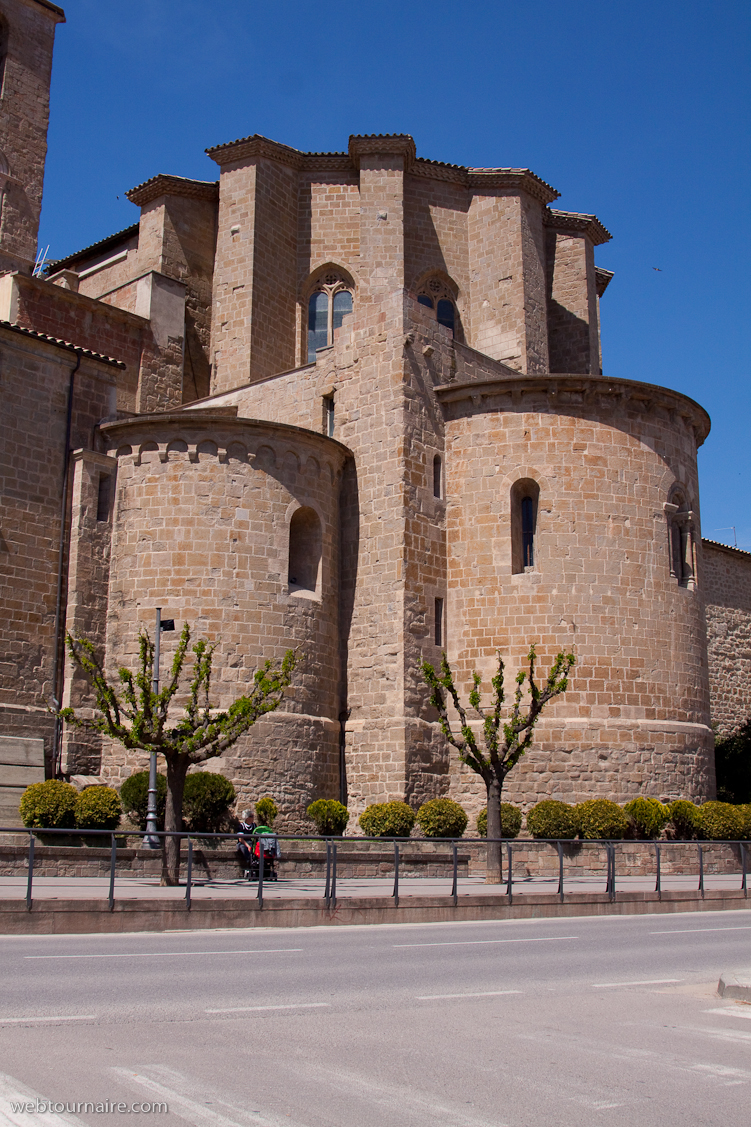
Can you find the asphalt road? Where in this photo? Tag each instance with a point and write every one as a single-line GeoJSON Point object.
{"type": "Point", "coordinates": [566, 1023]}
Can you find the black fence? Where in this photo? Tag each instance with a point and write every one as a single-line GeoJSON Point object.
{"type": "Point", "coordinates": [331, 857]}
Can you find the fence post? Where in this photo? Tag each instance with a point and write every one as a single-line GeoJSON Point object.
{"type": "Point", "coordinates": [31, 872]}
{"type": "Point", "coordinates": [701, 871]}
{"type": "Point", "coordinates": [327, 890]}
{"type": "Point", "coordinates": [332, 901]}
{"type": "Point", "coordinates": [743, 865]}
{"type": "Point", "coordinates": [260, 871]}
{"type": "Point", "coordinates": [508, 865]}
{"type": "Point", "coordinates": [560, 869]}
{"type": "Point", "coordinates": [658, 882]}
{"type": "Point", "coordinates": [396, 875]}
{"type": "Point", "coordinates": [189, 879]}
{"type": "Point", "coordinates": [454, 888]}
{"type": "Point", "coordinates": [113, 861]}
{"type": "Point", "coordinates": [611, 850]}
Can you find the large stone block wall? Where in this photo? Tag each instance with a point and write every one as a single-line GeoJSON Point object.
{"type": "Point", "coordinates": [573, 333]}
{"type": "Point", "coordinates": [727, 594]}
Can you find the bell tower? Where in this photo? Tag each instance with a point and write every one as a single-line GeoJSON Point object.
{"type": "Point", "coordinates": [27, 36]}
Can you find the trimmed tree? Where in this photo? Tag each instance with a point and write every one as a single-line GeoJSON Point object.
{"type": "Point", "coordinates": [505, 742]}
{"type": "Point", "coordinates": [137, 717]}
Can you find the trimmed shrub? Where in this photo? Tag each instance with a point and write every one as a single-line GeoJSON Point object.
{"type": "Point", "coordinates": [98, 808]}
{"type": "Point", "coordinates": [511, 821]}
{"type": "Point", "coordinates": [551, 818]}
{"type": "Point", "coordinates": [206, 800]}
{"type": "Point", "coordinates": [601, 818]}
{"type": "Point", "coordinates": [266, 811]}
{"type": "Point", "coordinates": [719, 821]}
{"type": "Point", "coordinates": [134, 795]}
{"type": "Point", "coordinates": [684, 816]}
{"type": "Point", "coordinates": [745, 812]}
{"type": "Point", "coordinates": [648, 816]}
{"type": "Point", "coordinates": [441, 817]}
{"type": "Point", "coordinates": [330, 816]}
{"type": "Point", "coordinates": [50, 805]}
{"type": "Point", "coordinates": [387, 819]}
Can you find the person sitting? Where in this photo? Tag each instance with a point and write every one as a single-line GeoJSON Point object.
{"type": "Point", "coordinates": [247, 829]}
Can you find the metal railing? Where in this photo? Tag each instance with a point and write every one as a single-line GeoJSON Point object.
{"type": "Point", "coordinates": [332, 859]}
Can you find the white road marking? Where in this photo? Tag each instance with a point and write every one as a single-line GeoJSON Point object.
{"type": "Point", "coordinates": [730, 1011]}
{"type": "Point", "coordinates": [193, 1111]}
{"type": "Point", "coordinates": [484, 942]}
{"type": "Point", "coordinates": [256, 1009]}
{"type": "Point", "coordinates": [638, 982]}
{"type": "Point", "coordinates": [11, 1091]}
{"type": "Point", "coordinates": [698, 930]}
{"type": "Point", "coordinates": [478, 994]}
{"type": "Point", "coordinates": [731, 1076]}
{"type": "Point", "coordinates": [169, 954]}
{"type": "Point", "coordinates": [56, 1017]}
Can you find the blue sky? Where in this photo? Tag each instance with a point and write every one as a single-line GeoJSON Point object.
{"type": "Point", "coordinates": [637, 112]}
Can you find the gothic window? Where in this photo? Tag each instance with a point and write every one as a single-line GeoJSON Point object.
{"type": "Point", "coordinates": [328, 305]}
{"type": "Point", "coordinates": [681, 540]}
{"type": "Point", "coordinates": [437, 476]}
{"type": "Point", "coordinates": [304, 551]}
{"type": "Point", "coordinates": [525, 496]}
{"type": "Point", "coordinates": [436, 295]}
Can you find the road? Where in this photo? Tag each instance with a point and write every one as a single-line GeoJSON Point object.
{"type": "Point", "coordinates": [567, 1023]}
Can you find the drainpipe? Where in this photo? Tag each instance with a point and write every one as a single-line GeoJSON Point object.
{"type": "Point", "coordinates": [60, 603]}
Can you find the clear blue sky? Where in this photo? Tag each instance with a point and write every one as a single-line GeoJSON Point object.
{"type": "Point", "coordinates": [635, 111]}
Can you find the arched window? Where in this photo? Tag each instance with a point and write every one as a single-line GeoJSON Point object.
{"type": "Point", "coordinates": [328, 305]}
{"type": "Point", "coordinates": [525, 497]}
{"type": "Point", "coordinates": [437, 476]}
{"type": "Point", "coordinates": [304, 551]}
{"type": "Point", "coordinates": [434, 294]}
{"type": "Point", "coordinates": [681, 537]}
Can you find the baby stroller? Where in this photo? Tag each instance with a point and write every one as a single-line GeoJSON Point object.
{"type": "Point", "coordinates": [264, 838]}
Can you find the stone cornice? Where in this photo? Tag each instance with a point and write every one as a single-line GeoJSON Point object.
{"type": "Point", "coordinates": [515, 179]}
{"type": "Point", "coordinates": [589, 225]}
{"type": "Point", "coordinates": [603, 278]}
{"type": "Point", "coordinates": [254, 147]}
{"type": "Point", "coordinates": [163, 185]}
{"type": "Point", "coordinates": [382, 144]}
{"type": "Point", "coordinates": [571, 391]}
{"type": "Point", "coordinates": [52, 8]}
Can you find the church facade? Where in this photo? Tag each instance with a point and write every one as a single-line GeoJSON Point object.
{"type": "Point", "coordinates": [353, 403]}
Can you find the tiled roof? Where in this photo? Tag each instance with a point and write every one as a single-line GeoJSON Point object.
{"type": "Point", "coordinates": [166, 185]}
{"type": "Point", "coordinates": [61, 263]}
{"type": "Point", "coordinates": [578, 221]}
{"type": "Point", "coordinates": [726, 547]}
{"type": "Point", "coordinates": [66, 344]}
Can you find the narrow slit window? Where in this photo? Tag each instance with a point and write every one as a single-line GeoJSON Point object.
{"type": "Point", "coordinates": [318, 324]}
{"type": "Point", "coordinates": [438, 622]}
{"type": "Point", "coordinates": [437, 476]}
{"type": "Point", "coordinates": [103, 497]}
{"type": "Point", "coordinates": [525, 496]}
{"type": "Point", "coordinates": [328, 414]}
{"type": "Point", "coordinates": [528, 532]}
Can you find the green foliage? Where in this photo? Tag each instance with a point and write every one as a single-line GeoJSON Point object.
{"type": "Point", "coordinates": [206, 801]}
{"type": "Point", "coordinates": [601, 818]}
{"type": "Point", "coordinates": [441, 817]}
{"type": "Point", "coordinates": [719, 821]}
{"type": "Point", "coordinates": [745, 812]}
{"type": "Point", "coordinates": [330, 816]}
{"type": "Point", "coordinates": [684, 816]}
{"type": "Point", "coordinates": [266, 811]}
{"type": "Point", "coordinates": [50, 805]}
{"type": "Point", "coordinates": [648, 816]}
{"type": "Point", "coordinates": [551, 818]}
{"type": "Point", "coordinates": [98, 808]}
{"type": "Point", "coordinates": [511, 821]}
{"type": "Point", "coordinates": [733, 765]}
{"type": "Point", "coordinates": [134, 795]}
{"type": "Point", "coordinates": [387, 819]}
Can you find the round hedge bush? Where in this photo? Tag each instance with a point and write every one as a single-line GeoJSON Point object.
{"type": "Point", "coordinates": [648, 816]}
{"type": "Point", "coordinates": [206, 801]}
{"type": "Point", "coordinates": [387, 819]}
{"type": "Point", "coordinates": [719, 821]}
{"type": "Point", "coordinates": [601, 818]}
{"type": "Point", "coordinates": [266, 811]}
{"type": "Point", "coordinates": [551, 818]}
{"type": "Point", "coordinates": [441, 817]}
{"type": "Point", "coordinates": [330, 816]}
{"type": "Point", "coordinates": [684, 816]}
{"type": "Point", "coordinates": [511, 821]}
{"type": "Point", "coordinates": [134, 795]}
{"type": "Point", "coordinates": [98, 808]}
{"type": "Point", "coordinates": [50, 805]}
{"type": "Point", "coordinates": [745, 812]}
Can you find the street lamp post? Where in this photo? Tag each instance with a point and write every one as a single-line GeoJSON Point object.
{"type": "Point", "coordinates": [151, 841]}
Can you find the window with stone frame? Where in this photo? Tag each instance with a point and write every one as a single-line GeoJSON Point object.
{"type": "Point", "coordinates": [305, 543]}
{"type": "Point", "coordinates": [525, 500]}
{"type": "Point", "coordinates": [436, 295]}
{"type": "Point", "coordinates": [681, 539]}
{"type": "Point", "coordinates": [329, 303]}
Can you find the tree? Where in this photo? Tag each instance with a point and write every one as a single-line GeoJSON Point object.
{"type": "Point", "coordinates": [733, 764]}
{"type": "Point", "coordinates": [132, 713]}
{"type": "Point", "coordinates": [501, 754]}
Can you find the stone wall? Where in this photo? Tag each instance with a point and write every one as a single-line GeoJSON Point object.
{"type": "Point", "coordinates": [727, 595]}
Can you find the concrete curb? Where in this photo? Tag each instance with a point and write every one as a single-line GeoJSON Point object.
{"type": "Point", "coordinates": [60, 917]}
{"type": "Point", "coordinates": [735, 985]}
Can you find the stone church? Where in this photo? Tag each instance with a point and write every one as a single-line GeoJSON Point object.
{"type": "Point", "coordinates": [351, 403]}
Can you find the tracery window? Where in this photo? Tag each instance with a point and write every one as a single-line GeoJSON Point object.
{"type": "Point", "coordinates": [435, 294]}
{"type": "Point", "coordinates": [328, 305]}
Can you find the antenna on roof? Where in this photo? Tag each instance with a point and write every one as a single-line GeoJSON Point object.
{"type": "Point", "coordinates": [40, 261]}
{"type": "Point", "coordinates": [728, 528]}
